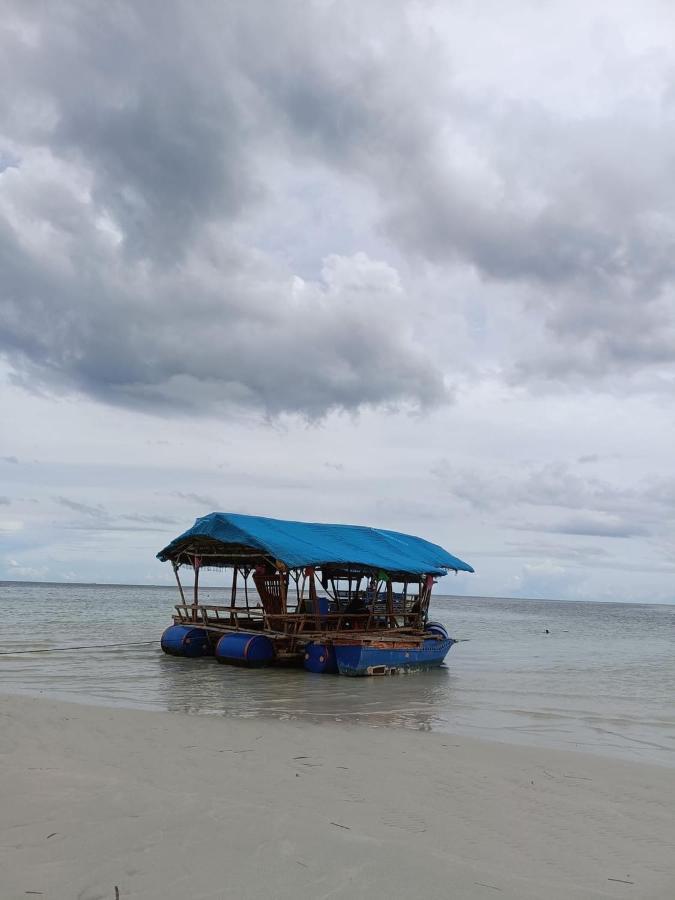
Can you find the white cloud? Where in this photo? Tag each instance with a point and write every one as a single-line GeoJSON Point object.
{"type": "Point", "coordinates": [10, 525]}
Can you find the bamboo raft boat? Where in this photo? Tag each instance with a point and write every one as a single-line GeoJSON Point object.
{"type": "Point", "coordinates": [333, 598]}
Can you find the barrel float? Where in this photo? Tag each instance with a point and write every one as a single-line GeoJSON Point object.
{"type": "Point", "coordinates": [320, 658]}
{"type": "Point", "coordinates": [437, 628]}
{"type": "Point", "coordinates": [183, 640]}
{"type": "Point", "coordinates": [241, 649]}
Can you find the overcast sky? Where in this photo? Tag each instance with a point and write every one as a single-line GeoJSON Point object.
{"type": "Point", "coordinates": [402, 264]}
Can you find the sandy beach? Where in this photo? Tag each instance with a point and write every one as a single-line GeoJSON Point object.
{"type": "Point", "coordinates": [165, 805]}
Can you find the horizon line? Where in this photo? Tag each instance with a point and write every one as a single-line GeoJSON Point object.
{"type": "Point", "coordinates": [8, 581]}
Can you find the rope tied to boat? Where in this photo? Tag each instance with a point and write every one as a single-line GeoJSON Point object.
{"type": "Point", "coordinates": [81, 647]}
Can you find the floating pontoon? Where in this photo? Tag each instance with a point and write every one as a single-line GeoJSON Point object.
{"type": "Point", "coordinates": [334, 598]}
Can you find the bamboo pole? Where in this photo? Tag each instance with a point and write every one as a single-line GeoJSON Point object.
{"type": "Point", "coordinates": [233, 595]}
{"type": "Point", "coordinates": [247, 572]}
{"type": "Point", "coordinates": [390, 604]}
{"type": "Point", "coordinates": [195, 602]}
{"type": "Point", "coordinates": [283, 584]}
{"type": "Point", "coordinates": [424, 605]}
{"type": "Point", "coordinates": [314, 598]}
{"type": "Point", "coordinates": [180, 586]}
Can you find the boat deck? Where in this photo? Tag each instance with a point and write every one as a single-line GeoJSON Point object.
{"type": "Point", "coordinates": [306, 625]}
{"type": "Point", "coordinates": [292, 632]}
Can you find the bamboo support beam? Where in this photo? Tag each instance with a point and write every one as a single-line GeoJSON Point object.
{"type": "Point", "coordinates": [233, 595]}
{"type": "Point", "coordinates": [195, 600]}
{"type": "Point", "coordinates": [313, 596]}
{"type": "Point", "coordinates": [247, 572]}
{"type": "Point", "coordinates": [390, 604]}
{"type": "Point", "coordinates": [180, 586]}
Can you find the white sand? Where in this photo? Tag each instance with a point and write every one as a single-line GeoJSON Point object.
{"type": "Point", "coordinates": [164, 805]}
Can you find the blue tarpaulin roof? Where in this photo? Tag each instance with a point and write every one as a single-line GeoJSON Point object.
{"type": "Point", "coordinates": [311, 544]}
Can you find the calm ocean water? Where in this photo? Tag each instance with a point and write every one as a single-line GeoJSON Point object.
{"type": "Point", "coordinates": [603, 680]}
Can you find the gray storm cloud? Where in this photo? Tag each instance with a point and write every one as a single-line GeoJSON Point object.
{"type": "Point", "coordinates": [140, 154]}
{"type": "Point", "coordinates": [136, 145]}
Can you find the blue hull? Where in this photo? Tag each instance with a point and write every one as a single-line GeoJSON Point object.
{"type": "Point", "coordinates": [357, 659]}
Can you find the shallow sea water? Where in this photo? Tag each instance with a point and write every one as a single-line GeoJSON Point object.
{"type": "Point", "coordinates": [602, 681]}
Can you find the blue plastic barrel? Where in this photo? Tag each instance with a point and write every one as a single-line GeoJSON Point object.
{"type": "Point", "coordinates": [437, 628]}
{"type": "Point", "coordinates": [184, 640]}
{"type": "Point", "coordinates": [242, 649]}
{"type": "Point", "coordinates": [320, 658]}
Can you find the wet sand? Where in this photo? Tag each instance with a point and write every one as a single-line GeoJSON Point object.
{"type": "Point", "coordinates": [165, 805]}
